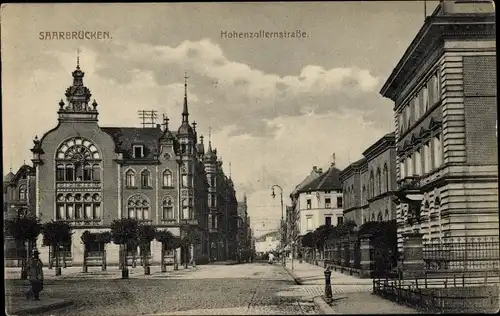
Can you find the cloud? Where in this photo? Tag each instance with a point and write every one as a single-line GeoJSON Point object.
{"type": "Point", "coordinates": [230, 92]}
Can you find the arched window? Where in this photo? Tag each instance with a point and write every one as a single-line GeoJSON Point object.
{"type": "Point", "coordinates": [60, 176]}
{"type": "Point", "coordinates": [386, 178]}
{"type": "Point", "coordinates": [70, 172]}
{"type": "Point", "coordinates": [82, 158]}
{"type": "Point", "coordinates": [372, 185]}
{"type": "Point", "coordinates": [167, 178]}
{"type": "Point", "coordinates": [130, 178]}
{"type": "Point", "coordinates": [379, 182]}
{"type": "Point", "coordinates": [22, 192]}
{"type": "Point", "coordinates": [168, 208]}
{"type": "Point", "coordinates": [145, 178]}
{"type": "Point", "coordinates": [87, 172]}
{"type": "Point", "coordinates": [138, 207]}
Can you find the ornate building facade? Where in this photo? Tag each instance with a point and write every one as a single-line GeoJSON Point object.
{"type": "Point", "coordinates": [18, 197]}
{"type": "Point", "coordinates": [90, 175]}
{"type": "Point", "coordinates": [369, 183]}
{"type": "Point", "coordinates": [445, 109]}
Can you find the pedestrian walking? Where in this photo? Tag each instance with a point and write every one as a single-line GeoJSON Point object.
{"type": "Point", "coordinates": [271, 258]}
{"type": "Point", "coordinates": [35, 276]}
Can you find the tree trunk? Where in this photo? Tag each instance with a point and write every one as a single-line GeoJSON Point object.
{"type": "Point", "coordinates": [124, 262]}
{"type": "Point", "coordinates": [162, 260]}
{"type": "Point", "coordinates": [57, 254]}
{"type": "Point", "coordinates": [85, 268]}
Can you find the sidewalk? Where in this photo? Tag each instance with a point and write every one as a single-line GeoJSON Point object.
{"type": "Point", "coordinates": [18, 305]}
{"type": "Point", "coordinates": [351, 295]}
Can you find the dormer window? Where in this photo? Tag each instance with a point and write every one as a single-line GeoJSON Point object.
{"type": "Point", "coordinates": [138, 151]}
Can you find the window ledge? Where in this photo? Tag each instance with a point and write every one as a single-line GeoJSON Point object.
{"type": "Point", "coordinates": [132, 187]}
{"type": "Point", "coordinates": [168, 187]}
{"type": "Point", "coordinates": [148, 187]}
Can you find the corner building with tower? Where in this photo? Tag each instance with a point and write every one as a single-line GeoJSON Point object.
{"type": "Point", "coordinates": [90, 175]}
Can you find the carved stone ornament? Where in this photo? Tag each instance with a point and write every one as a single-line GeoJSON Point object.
{"type": "Point", "coordinates": [166, 156]}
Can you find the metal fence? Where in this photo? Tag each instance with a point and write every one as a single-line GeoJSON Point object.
{"type": "Point", "coordinates": [462, 254]}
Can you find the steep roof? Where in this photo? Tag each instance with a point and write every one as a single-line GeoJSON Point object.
{"type": "Point", "coordinates": [8, 177]}
{"type": "Point", "coordinates": [126, 137]}
{"type": "Point", "coordinates": [329, 180]}
{"type": "Point", "coordinates": [313, 175]}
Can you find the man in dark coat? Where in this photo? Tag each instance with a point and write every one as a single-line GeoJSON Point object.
{"type": "Point", "coordinates": [35, 276]}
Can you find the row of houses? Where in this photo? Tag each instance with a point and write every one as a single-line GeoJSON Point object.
{"type": "Point", "coordinates": [89, 175]}
{"type": "Point", "coordinates": [437, 172]}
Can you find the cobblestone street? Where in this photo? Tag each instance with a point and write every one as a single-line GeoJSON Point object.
{"type": "Point", "coordinates": [256, 288]}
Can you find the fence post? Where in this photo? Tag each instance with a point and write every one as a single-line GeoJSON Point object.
{"type": "Point", "coordinates": [365, 248]}
{"type": "Point", "coordinates": [413, 254]}
{"type": "Point", "coordinates": [328, 286]}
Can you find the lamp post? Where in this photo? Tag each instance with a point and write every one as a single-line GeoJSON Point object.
{"type": "Point", "coordinates": [281, 226]}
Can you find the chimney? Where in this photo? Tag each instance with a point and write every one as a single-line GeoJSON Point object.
{"type": "Point", "coordinates": [333, 160]}
{"type": "Point", "coordinates": [320, 170]}
{"type": "Point", "coordinates": [315, 168]}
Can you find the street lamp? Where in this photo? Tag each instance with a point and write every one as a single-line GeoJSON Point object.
{"type": "Point", "coordinates": [281, 226]}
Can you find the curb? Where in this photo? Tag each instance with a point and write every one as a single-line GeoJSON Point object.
{"type": "Point", "coordinates": [323, 307]}
{"type": "Point", "coordinates": [40, 309]}
{"type": "Point", "coordinates": [295, 278]}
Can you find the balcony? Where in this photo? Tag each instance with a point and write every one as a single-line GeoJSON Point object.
{"type": "Point", "coordinates": [83, 222]}
{"type": "Point", "coordinates": [74, 185]}
{"type": "Point", "coordinates": [409, 183]}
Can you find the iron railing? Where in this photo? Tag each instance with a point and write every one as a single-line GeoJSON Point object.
{"type": "Point", "coordinates": [462, 254]}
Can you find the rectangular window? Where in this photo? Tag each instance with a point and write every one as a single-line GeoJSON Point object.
{"type": "Point", "coordinates": [69, 211]}
{"type": "Point", "coordinates": [138, 151]}
{"type": "Point", "coordinates": [185, 212]}
{"type": "Point", "coordinates": [88, 211]}
{"type": "Point", "coordinates": [418, 163]}
{"type": "Point", "coordinates": [402, 169]}
{"type": "Point", "coordinates": [437, 150]}
{"type": "Point", "coordinates": [416, 106]}
{"type": "Point", "coordinates": [425, 100]}
{"type": "Point", "coordinates": [97, 211]}
{"type": "Point", "coordinates": [185, 182]}
{"type": "Point", "coordinates": [87, 173]}
{"type": "Point", "coordinates": [60, 173]}
{"type": "Point", "coordinates": [409, 166]}
{"type": "Point", "coordinates": [131, 212]}
{"type": "Point", "coordinates": [328, 220]}
{"type": "Point", "coordinates": [214, 221]}
{"type": "Point", "coordinates": [427, 157]}
{"type": "Point", "coordinates": [408, 117]}
{"type": "Point", "coordinates": [78, 211]}
{"type": "Point", "coordinates": [61, 211]}
{"type": "Point", "coordinates": [213, 200]}
{"type": "Point", "coordinates": [168, 212]}
{"type": "Point", "coordinates": [308, 204]}
{"type": "Point", "coordinates": [328, 203]}
{"type": "Point", "coordinates": [340, 220]}
{"type": "Point", "coordinates": [309, 223]}
{"type": "Point", "coordinates": [145, 213]}
{"type": "Point", "coordinates": [167, 179]}
{"type": "Point", "coordinates": [212, 182]}
{"type": "Point", "coordinates": [339, 202]}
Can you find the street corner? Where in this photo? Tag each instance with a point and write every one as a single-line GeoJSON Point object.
{"type": "Point", "coordinates": [323, 307]}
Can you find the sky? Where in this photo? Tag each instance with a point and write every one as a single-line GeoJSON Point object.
{"type": "Point", "coordinates": [276, 106]}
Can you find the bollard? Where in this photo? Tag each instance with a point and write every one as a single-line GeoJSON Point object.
{"type": "Point", "coordinates": [328, 286]}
